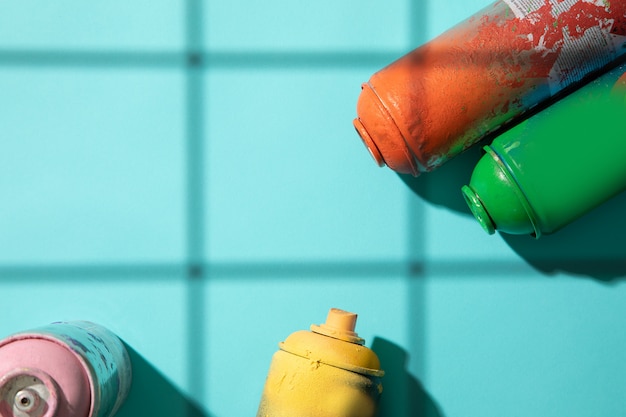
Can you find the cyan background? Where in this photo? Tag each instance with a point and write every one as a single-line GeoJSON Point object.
{"type": "Point", "coordinates": [187, 174]}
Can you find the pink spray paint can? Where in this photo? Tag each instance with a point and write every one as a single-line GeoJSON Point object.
{"type": "Point", "coordinates": [65, 369]}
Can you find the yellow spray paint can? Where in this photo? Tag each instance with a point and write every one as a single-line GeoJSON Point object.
{"type": "Point", "coordinates": [325, 372]}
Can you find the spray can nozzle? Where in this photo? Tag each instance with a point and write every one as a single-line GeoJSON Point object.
{"type": "Point", "coordinates": [339, 324]}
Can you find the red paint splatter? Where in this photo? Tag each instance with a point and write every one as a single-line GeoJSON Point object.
{"type": "Point", "coordinates": [540, 32]}
{"type": "Point", "coordinates": [518, 55]}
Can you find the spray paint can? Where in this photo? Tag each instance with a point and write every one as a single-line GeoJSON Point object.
{"type": "Point", "coordinates": [65, 369]}
{"type": "Point", "coordinates": [483, 74]}
{"type": "Point", "coordinates": [555, 166]}
{"type": "Point", "coordinates": [325, 372]}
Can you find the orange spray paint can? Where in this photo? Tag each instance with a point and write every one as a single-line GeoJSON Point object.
{"type": "Point", "coordinates": [484, 74]}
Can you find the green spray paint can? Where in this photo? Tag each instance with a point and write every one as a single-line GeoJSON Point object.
{"type": "Point", "coordinates": [556, 166]}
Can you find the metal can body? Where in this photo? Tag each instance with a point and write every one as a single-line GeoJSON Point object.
{"type": "Point", "coordinates": [68, 369]}
{"type": "Point", "coordinates": [325, 372]}
{"type": "Point", "coordinates": [556, 166]}
{"type": "Point", "coordinates": [297, 386]}
{"type": "Point", "coordinates": [484, 73]}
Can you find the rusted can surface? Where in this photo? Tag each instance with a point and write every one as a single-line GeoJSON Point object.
{"type": "Point", "coordinates": [484, 73]}
{"type": "Point", "coordinates": [65, 369]}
